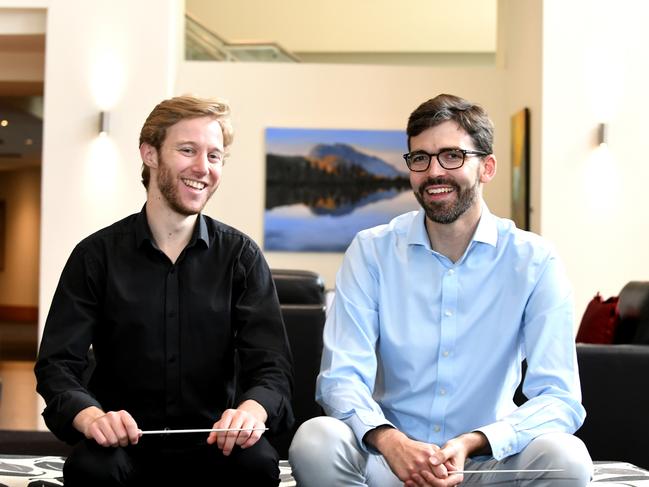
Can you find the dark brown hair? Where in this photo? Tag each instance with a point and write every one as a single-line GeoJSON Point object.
{"type": "Point", "coordinates": [472, 118]}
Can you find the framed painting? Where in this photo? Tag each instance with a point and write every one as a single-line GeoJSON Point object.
{"type": "Point", "coordinates": [520, 157]}
{"type": "Point", "coordinates": [324, 185]}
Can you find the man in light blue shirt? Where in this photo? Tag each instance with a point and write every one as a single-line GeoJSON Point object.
{"type": "Point", "coordinates": [433, 314]}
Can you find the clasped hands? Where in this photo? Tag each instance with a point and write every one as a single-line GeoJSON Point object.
{"type": "Point", "coordinates": [419, 464]}
{"type": "Point", "coordinates": [118, 428]}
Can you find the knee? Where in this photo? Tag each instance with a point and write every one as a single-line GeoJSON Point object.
{"type": "Point", "coordinates": [318, 433]}
{"type": "Point", "coordinates": [318, 438]}
{"type": "Point", "coordinates": [566, 452]}
{"type": "Point", "coordinates": [259, 464]}
{"type": "Point", "coordinates": [91, 464]}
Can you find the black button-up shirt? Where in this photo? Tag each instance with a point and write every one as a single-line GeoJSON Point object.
{"type": "Point", "coordinates": [175, 343]}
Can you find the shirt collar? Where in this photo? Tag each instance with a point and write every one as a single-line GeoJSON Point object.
{"type": "Point", "coordinates": [486, 231]}
{"type": "Point", "coordinates": [143, 232]}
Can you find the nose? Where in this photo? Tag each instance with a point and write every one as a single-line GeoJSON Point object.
{"type": "Point", "coordinates": [435, 168]}
{"type": "Point", "coordinates": [201, 163]}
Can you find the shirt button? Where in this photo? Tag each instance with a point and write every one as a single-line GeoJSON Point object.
{"type": "Point", "coordinates": [448, 312]}
{"type": "Point", "coordinates": [451, 272]}
{"type": "Point", "coordinates": [442, 392]}
{"type": "Point", "coordinates": [436, 428]}
{"type": "Point", "coordinates": [172, 359]}
{"type": "Point", "coordinates": [445, 353]}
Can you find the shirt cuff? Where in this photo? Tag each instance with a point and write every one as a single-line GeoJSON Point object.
{"type": "Point", "coordinates": [502, 439]}
{"type": "Point", "coordinates": [278, 409]}
{"type": "Point", "coordinates": [61, 411]}
{"type": "Point", "coordinates": [361, 424]}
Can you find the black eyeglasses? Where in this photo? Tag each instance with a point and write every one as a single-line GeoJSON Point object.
{"type": "Point", "coordinates": [419, 160]}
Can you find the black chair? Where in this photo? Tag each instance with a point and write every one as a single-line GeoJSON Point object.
{"type": "Point", "coordinates": [302, 300]}
{"type": "Point", "coordinates": [633, 312]}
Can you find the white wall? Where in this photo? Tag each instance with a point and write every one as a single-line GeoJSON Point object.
{"type": "Point", "coordinates": [591, 58]}
{"type": "Point", "coordinates": [118, 56]}
{"type": "Point", "coordinates": [326, 96]}
{"type": "Point", "coordinates": [595, 68]}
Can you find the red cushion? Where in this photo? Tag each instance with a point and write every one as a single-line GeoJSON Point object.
{"type": "Point", "coordinates": [599, 321]}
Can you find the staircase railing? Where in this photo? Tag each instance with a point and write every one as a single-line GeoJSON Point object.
{"type": "Point", "coordinates": [203, 44]}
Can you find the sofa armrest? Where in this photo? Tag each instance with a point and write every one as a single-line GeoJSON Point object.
{"type": "Point", "coordinates": [616, 398]}
{"type": "Point", "coordinates": [20, 442]}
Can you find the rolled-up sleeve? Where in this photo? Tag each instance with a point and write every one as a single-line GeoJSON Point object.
{"type": "Point", "coordinates": [349, 363]}
{"type": "Point", "coordinates": [264, 354]}
{"type": "Point", "coordinates": [63, 355]}
{"type": "Point", "coordinates": [552, 379]}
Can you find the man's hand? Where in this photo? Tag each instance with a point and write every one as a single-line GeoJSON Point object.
{"type": "Point", "coordinates": [250, 414]}
{"type": "Point", "coordinates": [114, 428]}
{"type": "Point", "coordinates": [407, 458]}
{"type": "Point", "coordinates": [450, 457]}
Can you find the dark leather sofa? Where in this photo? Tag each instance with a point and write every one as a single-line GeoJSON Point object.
{"type": "Point", "coordinates": [614, 386]}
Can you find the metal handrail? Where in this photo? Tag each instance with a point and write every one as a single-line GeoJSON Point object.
{"type": "Point", "coordinates": [221, 50]}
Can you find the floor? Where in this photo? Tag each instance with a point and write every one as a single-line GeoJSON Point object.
{"type": "Point", "coordinates": [20, 406]}
{"type": "Point", "coordinates": [19, 403]}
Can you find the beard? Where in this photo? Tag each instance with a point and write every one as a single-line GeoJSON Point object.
{"type": "Point", "coordinates": [167, 184]}
{"type": "Point", "coordinates": [447, 212]}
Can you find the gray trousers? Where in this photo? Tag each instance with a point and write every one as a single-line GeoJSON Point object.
{"type": "Point", "coordinates": [325, 453]}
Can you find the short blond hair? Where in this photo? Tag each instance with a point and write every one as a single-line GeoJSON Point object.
{"type": "Point", "coordinates": [170, 112]}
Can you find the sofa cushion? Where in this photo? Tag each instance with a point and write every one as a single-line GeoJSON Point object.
{"type": "Point", "coordinates": [599, 321]}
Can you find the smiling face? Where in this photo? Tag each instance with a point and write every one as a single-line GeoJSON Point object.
{"type": "Point", "coordinates": [446, 195]}
{"type": "Point", "coordinates": [187, 169]}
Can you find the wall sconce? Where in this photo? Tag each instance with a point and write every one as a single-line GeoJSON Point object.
{"type": "Point", "coordinates": [103, 123]}
{"type": "Point", "coordinates": [602, 134]}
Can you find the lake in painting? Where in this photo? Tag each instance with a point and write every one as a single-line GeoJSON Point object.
{"type": "Point", "coordinates": [323, 186]}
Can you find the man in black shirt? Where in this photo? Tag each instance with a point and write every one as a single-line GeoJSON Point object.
{"type": "Point", "coordinates": [184, 323]}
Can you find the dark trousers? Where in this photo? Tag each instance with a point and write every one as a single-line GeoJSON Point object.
{"type": "Point", "coordinates": [92, 465]}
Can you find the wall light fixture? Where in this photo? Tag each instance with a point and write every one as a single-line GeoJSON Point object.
{"type": "Point", "coordinates": [602, 134]}
{"type": "Point", "coordinates": [103, 123]}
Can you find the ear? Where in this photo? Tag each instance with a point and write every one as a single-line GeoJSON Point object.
{"type": "Point", "coordinates": [149, 155]}
{"type": "Point", "coordinates": [488, 168]}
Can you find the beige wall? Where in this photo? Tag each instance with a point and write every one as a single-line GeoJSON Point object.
{"type": "Point", "coordinates": [20, 190]}
{"type": "Point", "coordinates": [326, 96]}
{"type": "Point", "coordinates": [344, 26]}
{"type": "Point", "coordinates": [594, 202]}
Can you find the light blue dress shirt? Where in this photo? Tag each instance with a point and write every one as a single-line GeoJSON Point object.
{"type": "Point", "coordinates": [434, 348]}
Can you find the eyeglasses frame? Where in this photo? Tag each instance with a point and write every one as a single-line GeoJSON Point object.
{"type": "Point", "coordinates": [464, 152]}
